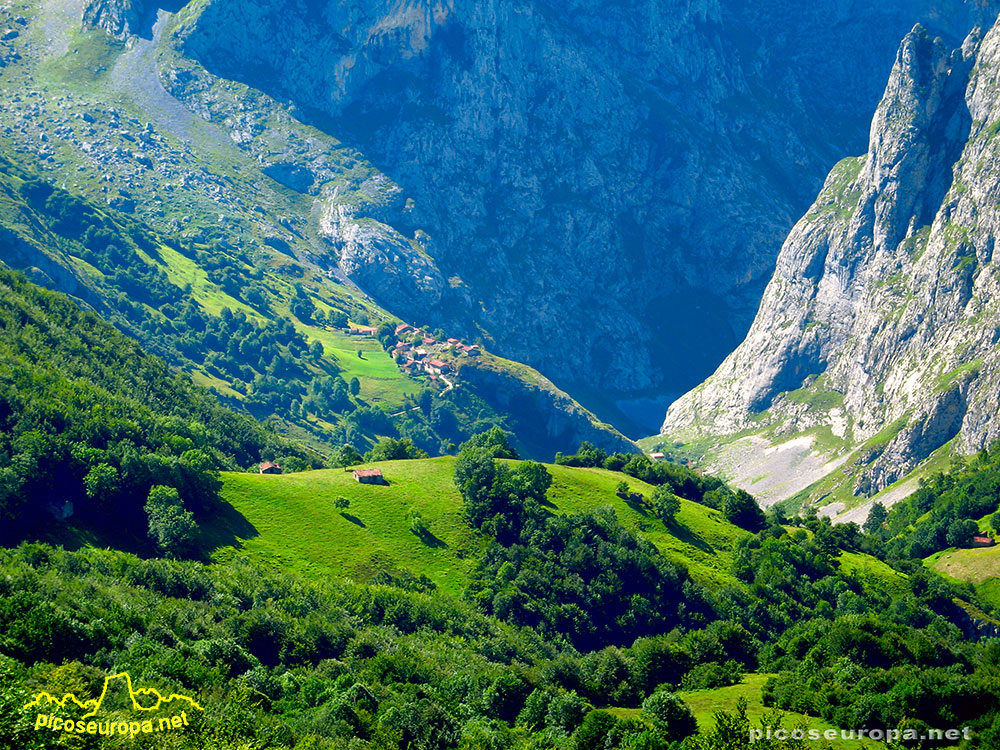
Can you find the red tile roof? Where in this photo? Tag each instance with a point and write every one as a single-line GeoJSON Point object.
{"type": "Point", "coordinates": [367, 472]}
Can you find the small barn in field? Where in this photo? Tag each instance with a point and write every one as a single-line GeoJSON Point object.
{"type": "Point", "coordinates": [369, 476]}
{"type": "Point", "coordinates": [269, 467]}
{"type": "Point", "coordinates": [981, 540]}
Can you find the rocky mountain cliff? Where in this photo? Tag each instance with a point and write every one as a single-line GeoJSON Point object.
{"type": "Point", "coordinates": [626, 170]}
{"type": "Point", "coordinates": [879, 329]}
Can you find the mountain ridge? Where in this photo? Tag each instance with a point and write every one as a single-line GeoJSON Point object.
{"type": "Point", "coordinates": [879, 324]}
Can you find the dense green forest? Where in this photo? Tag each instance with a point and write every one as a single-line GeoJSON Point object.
{"type": "Point", "coordinates": [279, 663]}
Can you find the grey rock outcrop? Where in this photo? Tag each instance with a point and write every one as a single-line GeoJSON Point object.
{"type": "Point", "coordinates": [120, 18]}
{"type": "Point", "coordinates": [883, 309]}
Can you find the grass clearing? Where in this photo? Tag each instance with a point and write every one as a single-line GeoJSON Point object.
{"type": "Point", "coordinates": [381, 379]}
{"type": "Point", "coordinates": [871, 569]}
{"type": "Point", "coordinates": [972, 565]}
{"type": "Point", "coordinates": [181, 270]}
{"type": "Point", "coordinates": [290, 521]}
{"type": "Point", "coordinates": [706, 703]}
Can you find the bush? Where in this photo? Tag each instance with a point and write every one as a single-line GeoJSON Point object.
{"type": "Point", "coordinates": [666, 504]}
{"type": "Point", "coordinates": [740, 509]}
{"type": "Point", "coordinates": [670, 715]}
{"type": "Point", "coordinates": [565, 712]}
{"type": "Point", "coordinates": [712, 675]}
{"type": "Point", "coordinates": [593, 733]}
{"type": "Point", "coordinates": [170, 526]}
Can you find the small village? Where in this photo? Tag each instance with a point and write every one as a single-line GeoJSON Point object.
{"type": "Point", "coordinates": [417, 352]}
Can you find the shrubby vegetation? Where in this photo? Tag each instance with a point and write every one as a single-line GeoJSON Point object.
{"type": "Point", "coordinates": [566, 618]}
{"type": "Point", "coordinates": [854, 651]}
{"type": "Point", "coordinates": [279, 663]}
{"type": "Point", "coordinates": [943, 513]}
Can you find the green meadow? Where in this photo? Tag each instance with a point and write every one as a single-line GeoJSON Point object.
{"type": "Point", "coordinates": [706, 703]}
{"type": "Point", "coordinates": [290, 520]}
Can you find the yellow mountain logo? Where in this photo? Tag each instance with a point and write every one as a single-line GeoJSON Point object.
{"type": "Point", "coordinates": [146, 701]}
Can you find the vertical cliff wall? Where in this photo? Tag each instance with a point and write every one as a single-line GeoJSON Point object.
{"type": "Point", "coordinates": [883, 317]}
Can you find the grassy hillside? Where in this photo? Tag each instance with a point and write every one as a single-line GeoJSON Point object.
{"type": "Point", "coordinates": [973, 565]}
{"type": "Point", "coordinates": [295, 523]}
{"type": "Point", "coordinates": [980, 567]}
{"type": "Point", "coordinates": [706, 703]}
{"type": "Point", "coordinates": [291, 519]}
{"type": "Point", "coordinates": [872, 570]}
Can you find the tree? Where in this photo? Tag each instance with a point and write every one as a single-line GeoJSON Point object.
{"type": "Point", "coordinates": [341, 503]}
{"type": "Point", "coordinates": [102, 483]}
{"type": "Point", "coordinates": [494, 440]}
{"type": "Point", "coordinates": [740, 509]}
{"type": "Point", "coordinates": [565, 712]}
{"type": "Point", "coordinates": [386, 334]}
{"type": "Point", "coordinates": [530, 479]}
{"type": "Point", "coordinates": [505, 697]}
{"type": "Point", "coordinates": [666, 504]}
{"type": "Point", "coordinates": [337, 319]}
{"type": "Point", "coordinates": [621, 489]}
{"type": "Point", "coordinates": [355, 386]}
{"type": "Point", "coordinates": [426, 401]}
{"type": "Point", "coordinates": [593, 733]}
{"type": "Point", "coordinates": [391, 449]}
{"type": "Point", "coordinates": [347, 455]}
{"type": "Point", "coordinates": [960, 531]}
{"type": "Point", "coordinates": [670, 715]}
{"type": "Point", "coordinates": [475, 473]}
{"type": "Point", "coordinates": [170, 526]}
{"type": "Point", "coordinates": [876, 517]}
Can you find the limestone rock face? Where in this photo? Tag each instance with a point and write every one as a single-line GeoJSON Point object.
{"type": "Point", "coordinates": [607, 184]}
{"type": "Point", "coordinates": [120, 18]}
{"type": "Point", "coordinates": [882, 313]}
